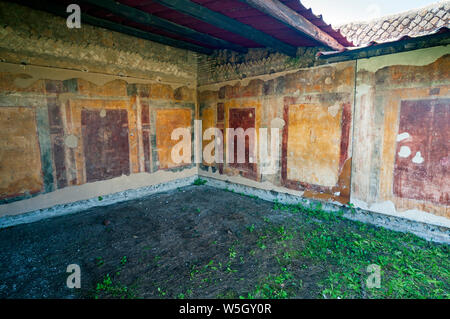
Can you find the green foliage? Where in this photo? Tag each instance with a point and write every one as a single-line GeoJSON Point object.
{"type": "Point", "coordinates": [107, 288]}
{"type": "Point", "coordinates": [99, 261]}
{"type": "Point", "coordinates": [276, 287]}
{"type": "Point", "coordinates": [288, 250]}
{"type": "Point", "coordinates": [199, 182]}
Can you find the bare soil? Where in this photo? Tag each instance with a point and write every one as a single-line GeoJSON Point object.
{"type": "Point", "coordinates": [194, 242]}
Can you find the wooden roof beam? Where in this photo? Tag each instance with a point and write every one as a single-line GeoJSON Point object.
{"type": "Point", "coordinates": [147, 19]}
{"type": "Point", "coordinates": [281, 12]}
{"type": "Point", "coordinates": [226, 23]}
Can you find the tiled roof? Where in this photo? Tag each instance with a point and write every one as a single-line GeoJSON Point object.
{"type": "Point", "coordinates": [411, 23]}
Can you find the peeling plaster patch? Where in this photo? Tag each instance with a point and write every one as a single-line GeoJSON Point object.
{"type": "Point", "coordinates": [247, 182]}
{"type": "Point", "coordinates": [277, 123]}
{"type": "Point", "coordinates": [403, 136]}
{"type": "Point", "coordinates": [32, 73]}
{"type": "Point", "coordinates": [362, 89]}
{"type": "Point", "coordinates": [337, 194]}
{"type": "Point", "coordinates": [71, 141]}
{"type": "Point", "coordinates": [388, 208]}
{"type": "Point", "coordinates": [103, 113]}
{"type": "Point", "coordinates": [418, 159]}
{"type": "Point", "coordinates": [405, 151]}
{"type": "Point", "coordinates": [359, 203]}
{"type": "Point", "coordinates": [425, 217]}
{"type": "Point", "coordinates": [419, 57]}
{"type": "Point", "coordinates": [269, 76]}
{"type": "Point", "coordinates": [334, 109]}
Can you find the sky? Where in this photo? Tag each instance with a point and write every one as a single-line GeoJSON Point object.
{"type": "Point", "coordinates": [337, 12]}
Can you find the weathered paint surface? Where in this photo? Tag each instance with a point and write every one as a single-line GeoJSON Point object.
{"type": "Point", "coordinates": [242, 114]}
{"type": "Point", "coordinates": [75, 132]}
{"type": "Point", "coordinates": [166, 122]}
{"type": "Point", "coordinates": [208, 121]}
{"type": "Point", "coordinates": [425, 173]}
{"type": "Point", "coordinates": [315, 109]}
{"type": "Point", "coordinates": [313, 146]}
{"type": "Point", "coordinates": [396, 163]}
{"type": "Point", "coordinates": [20, 165]}
{"type": "Point", "coordinates": [78, 107]}
{"type": "Point", "coordinates": [106, 146]}
{"type": "Point", "coordinates": [243, 118]}
{"type": "Point", "coordinates": [401, 134]}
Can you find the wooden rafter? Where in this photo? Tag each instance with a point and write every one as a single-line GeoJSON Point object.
{"type": "Point", "coordinates": [281, 12]}
{"type": "Point", "coordinates": [226, 23]}
{"type": "Point", "coordinates": [147, 19]}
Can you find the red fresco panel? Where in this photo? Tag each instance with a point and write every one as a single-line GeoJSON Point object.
{"type": "Point", "coordinates": [426, 122]}
{"type": "Point", "coordinates": [105, 142]}
{"type": "Point", "coordinates": [145, 119]}
{"type": "Point", "coordinates": [243, 118]}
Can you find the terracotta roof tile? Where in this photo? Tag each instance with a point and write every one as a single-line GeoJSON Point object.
{"type": "Point", "coordinates": [411, 23]}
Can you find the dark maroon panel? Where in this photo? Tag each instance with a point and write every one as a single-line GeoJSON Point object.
{"type": "Point", "coordinates": [57, 139]}
{"type": "Point", "coordinates": [220, 112]}
{"type": "Point", "coordinates": [426, 122]}
{"type": "Point", "coordinates": [145, 118]}
{"type": "Point", "coordinates": [345, 134]}
{"type": "Point", "coordinates": [105, 142]}
{"type": "Point", "coordinates": [243, 118]}
{"type": "Point", "coordinates": [145, 114]}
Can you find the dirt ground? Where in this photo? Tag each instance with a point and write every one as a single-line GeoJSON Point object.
{"type": "Point", "coordinates": [202, 242]}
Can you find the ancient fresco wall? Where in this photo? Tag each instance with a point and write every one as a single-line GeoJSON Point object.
{"type": "Point", "coordinates": [312, 108]}
{"type": "Point", "coordinates": [401, 144]}
{"type": "Point", "coordinates": [91, 112]}
{"type": "Point", "coordinates": [384, 149]}
{"type": "Point", "coordinates": [86, 111]}
{"type": "Point", "coordinates": [62, 133]}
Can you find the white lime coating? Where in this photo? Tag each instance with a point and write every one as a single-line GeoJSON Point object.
{"type": "Point", "coordinates": [403, 136]}
{"type": "Point", "coordinates": [405, 151]}
{"type": "Point", "coordinates": [71, 141]}
{"type": "Point", "coordinates": [418, 159]}
{"type": "Point", "coordinates": [388, 208]}
{"type": "Point", "coordinates": [417, 58]}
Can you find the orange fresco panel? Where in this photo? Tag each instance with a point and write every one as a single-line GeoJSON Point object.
{"type": "Point", "coordinates": [20, 161]}
{"type": "Point", "coordinates": [313, 148]}
{"type": "Point", "coordinates": [167, 121]}
{"type": "Point", "coordinates": [208, 116]}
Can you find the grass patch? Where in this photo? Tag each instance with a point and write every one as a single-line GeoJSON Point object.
{"type": "Point", "coordinates": [297, 251]}
{"type": "Point", "coordinates": [199, 182]}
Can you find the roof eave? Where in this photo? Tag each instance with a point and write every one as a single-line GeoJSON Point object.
{"type": "Point", "coordinates": [437, 38]}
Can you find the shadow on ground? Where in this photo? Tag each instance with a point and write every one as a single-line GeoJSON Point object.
{"type": "Point", "coordinates": [202, 242]}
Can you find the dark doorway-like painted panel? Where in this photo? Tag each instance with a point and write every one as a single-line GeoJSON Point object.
{"type": "Point", "coordinates": [243, 118]}
{"type": "Point", "coordinates": [424, 174]}
{"type": "Point", "coordinates": [105, 143]}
